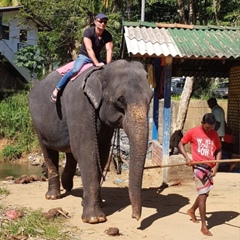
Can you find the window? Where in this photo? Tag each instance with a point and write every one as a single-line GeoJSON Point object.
{"type": "Point", "coordinates": [5, 32]}
{"type": "Point", "coordinates": [23, 36]}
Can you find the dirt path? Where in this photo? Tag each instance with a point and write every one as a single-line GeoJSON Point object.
{"type": "Point", "coordinates": [164, 210]}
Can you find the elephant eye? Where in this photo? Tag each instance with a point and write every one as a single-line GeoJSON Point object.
{"type": "Point", "coordinates": [121, 103]}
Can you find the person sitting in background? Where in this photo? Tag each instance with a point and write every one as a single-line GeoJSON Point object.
{"type": "Point", "coordinates": [227, 149]}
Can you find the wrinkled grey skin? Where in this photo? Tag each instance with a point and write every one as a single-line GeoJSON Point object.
{"type": "Point", "coordinates": [116, 95]}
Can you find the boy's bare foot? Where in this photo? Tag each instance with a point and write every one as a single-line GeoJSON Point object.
{"type": "Point", "coordinates": [206, 232]}
{"type": "Point", "coordinates": [192, 215]}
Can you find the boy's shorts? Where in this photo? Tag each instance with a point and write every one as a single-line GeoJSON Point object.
{"type": "Point", "coordinates": [202, 175]}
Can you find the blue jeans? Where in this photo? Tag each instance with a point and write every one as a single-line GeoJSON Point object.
{"type": "Point", "coordinates": [78, 64]}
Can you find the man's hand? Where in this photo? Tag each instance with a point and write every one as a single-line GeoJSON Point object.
{"type": "Point", "coordinates": [214, 170]}
{"type": "Point", "coordinates": [100, 64]}
{"type": "Point", "coordinates": [188, 161]}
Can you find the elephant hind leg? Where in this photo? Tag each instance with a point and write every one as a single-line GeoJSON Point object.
{"type": "Point", "coordinates": [51, 158]}
{"type": "Point", "coordinates": [53, 175]}
{"type": "Point", "coordinates": [53, 188]}
{"type": "Point", "coordinates": [69, 172]}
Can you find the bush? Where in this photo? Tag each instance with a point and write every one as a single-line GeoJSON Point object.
{"type": "Point", "coordinates": [203, 88]}
{"type": "Point", "coordinates": [16, 125]}
{"type": "Point", "coordinates": [11, 153]}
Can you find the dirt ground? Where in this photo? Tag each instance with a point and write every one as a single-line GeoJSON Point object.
{"type": "Point", "coordinates": [163, 214]}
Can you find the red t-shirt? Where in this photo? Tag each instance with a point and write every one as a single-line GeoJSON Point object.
{"type": "Point", "coordinates": [203, 144]}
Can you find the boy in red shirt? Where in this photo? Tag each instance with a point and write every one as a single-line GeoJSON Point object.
{"type": "Point", "coordinates": [205, 145]}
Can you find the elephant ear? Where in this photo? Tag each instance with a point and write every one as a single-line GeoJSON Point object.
{"type": "Point", "coordinates": [92, 85]}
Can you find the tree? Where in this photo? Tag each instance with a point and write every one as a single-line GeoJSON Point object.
{"type": "Point", "coordinates": [216, 8]}
{"type": "Point", "coordinates": [68, 22]}
{"type": "Point", "coordinates": [192, 12]}
{"type": "Point", "coordinates": [181, 12]}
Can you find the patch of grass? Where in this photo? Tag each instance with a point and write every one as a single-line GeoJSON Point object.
{"type": "Point", "coordinates": [4, 191]}
{"type": "Point", "coordinates": [33, 224]}
{"type": "Point", "coordinates": [176, 97]}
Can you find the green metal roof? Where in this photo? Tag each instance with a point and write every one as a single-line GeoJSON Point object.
{"type": "Point", "coordinates": [207, 42]}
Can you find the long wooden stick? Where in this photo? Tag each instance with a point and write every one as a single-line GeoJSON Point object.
{"type": "Point", "coordinates": [193, 163]}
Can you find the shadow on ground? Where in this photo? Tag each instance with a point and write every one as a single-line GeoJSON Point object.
{"type": "Point", "coordinates": [116, 199]}
{"type": "Point", "coordinates": [221, 217]}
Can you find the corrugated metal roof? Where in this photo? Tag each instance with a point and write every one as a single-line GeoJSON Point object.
{"type": "Point", "coordinates": [150, 41]}
{"type": "Point", "coordinates": [184, 41]}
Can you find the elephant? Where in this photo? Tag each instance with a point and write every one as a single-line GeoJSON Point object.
{"type": "Point", "coordinates": [81, 124]}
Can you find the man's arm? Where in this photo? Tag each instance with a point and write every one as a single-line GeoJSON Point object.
{"type": "Point", "coordinates": [91, 53]}
{"type": "Point", "coordinates": [182, 150]}
{"type": "Point", "coordinates": [217, 125]}
{"type": "Point", "coordinates": [217, 113]}
{"type": "Point", "coordinates": [109, 51]}
{"type": "Point", "coordinates": [218, 156]}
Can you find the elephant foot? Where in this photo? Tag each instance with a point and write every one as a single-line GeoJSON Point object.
{"type": "Point", "coordinates": [94, 220]}
{"type": "Point", "coordinates": [67, 181]}
{"type": "Point", "coordinates": [52, 196]}
{"type": "Point", "coordinates": [53, 189]}
{"type": "Point", "coordinates": [93, 217]}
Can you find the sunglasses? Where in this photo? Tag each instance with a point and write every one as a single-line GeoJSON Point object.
{"type": "Point", "coordinates": [102, 21]}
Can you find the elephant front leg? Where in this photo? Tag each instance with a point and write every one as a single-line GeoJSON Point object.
{"type": "Point", "coordinates": [92, 212]}
{"type": "Point", "coordinates": [92, 201]}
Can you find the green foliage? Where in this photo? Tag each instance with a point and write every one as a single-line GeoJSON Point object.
{"type": "Point", "coordinates": [68, 23]}
{"type": "Point", "coordinates": [155, 11]}
{"type": "Point", "coordinates": [203, 89]}
{"type": "Point", "coordinates": [33, 224]}
{"type": "Point", "coordinates": [6, 3]}
{"type": "Point", "coordinates": [30, 58]}
{"type": "Point", "coordinates": [11, 153]}
{"type": "Point", "coordinates": [176, 97]}
{"type": "Point", "coordinates": [16, 124]}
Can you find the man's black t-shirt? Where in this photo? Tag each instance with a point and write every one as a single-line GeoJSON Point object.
{"type": "Point", "coordinates": [97, 44]}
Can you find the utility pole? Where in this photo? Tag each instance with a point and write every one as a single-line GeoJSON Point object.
{"type": "Point", "coordinates": [143, 11]}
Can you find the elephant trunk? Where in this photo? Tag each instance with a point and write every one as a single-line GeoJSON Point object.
{"type": "Point", "coordinates": [136, 128]}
